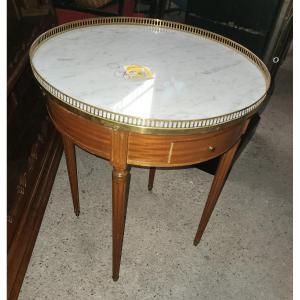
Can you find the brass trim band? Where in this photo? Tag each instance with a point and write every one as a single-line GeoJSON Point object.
{"type": "Point", "coordinates": [142, 125]}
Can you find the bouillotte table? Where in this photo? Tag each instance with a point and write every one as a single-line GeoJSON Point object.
{"type": "Point", "coordinates": [147, 92]}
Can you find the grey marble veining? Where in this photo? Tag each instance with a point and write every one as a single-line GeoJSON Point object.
{"type": "Point", "coordinates": [194, 77]}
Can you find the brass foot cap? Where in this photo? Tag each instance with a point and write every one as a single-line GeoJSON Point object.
{"type": "Point", "coordinates": [196, 243]}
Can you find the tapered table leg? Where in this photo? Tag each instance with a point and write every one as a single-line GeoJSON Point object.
{"type": "Point", "coordinates": [151, 178]}
{"type": "Point", "coordinates": [120, 189]}
{"type": "Point", "coordinates": [119, 194]}
{"type": "Point", "coordinates": [69, 148]}
{"type": "Point", "coordinates": [215, 190]}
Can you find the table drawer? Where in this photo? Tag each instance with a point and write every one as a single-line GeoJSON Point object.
{"type": "Point", "coordinates": [202, 149]}
{"type": "Point", "coordinates": [151, 150]}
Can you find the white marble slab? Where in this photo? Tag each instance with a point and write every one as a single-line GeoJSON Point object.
{"type": "Point", "coordinates": [194, 77]}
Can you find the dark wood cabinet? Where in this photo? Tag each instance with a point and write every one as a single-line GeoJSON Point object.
{"type": "Point", "coordinates": [34, 147]}
{"type": "Point", "coordinates": [247, 22]}
{"type": "Point", "coordinates": [265, 27]}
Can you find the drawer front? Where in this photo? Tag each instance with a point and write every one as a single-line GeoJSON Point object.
{"type": "Point", "coordinates": [151, 150]}
{"type": "Point", "coordinates": [198, 150]}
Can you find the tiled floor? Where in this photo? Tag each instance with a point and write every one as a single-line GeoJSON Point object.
{"type": "Point", "coordinates": [245, 253]}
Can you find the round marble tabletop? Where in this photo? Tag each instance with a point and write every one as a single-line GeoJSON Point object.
{"type": "Point", "coordinates": [180, 78]}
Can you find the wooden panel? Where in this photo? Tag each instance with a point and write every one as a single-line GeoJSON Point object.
{"type": "Point", "coordinates": [34, 150]}
{"type": "Point", "coordinates": [89, 135]}
{"type": "Point", "coordinates": [194, 151]}
{"type": "Point", "coordinates": [148, 149]}
{"type": "Point", "coordinates": [151, 150]}
{"type": "Point", "coordinates": [25, 217]}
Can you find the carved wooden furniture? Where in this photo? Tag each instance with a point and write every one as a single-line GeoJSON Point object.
{"type": "Point", "coordinates": [34, 148]}
{"type": "Point", "coordinates": [195, 105]}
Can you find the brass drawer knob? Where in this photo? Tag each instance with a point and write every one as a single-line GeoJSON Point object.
{"type": "Point", "coordinates": [211, 148]}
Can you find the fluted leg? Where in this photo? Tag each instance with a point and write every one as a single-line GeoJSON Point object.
{"type": "Point", "coordinates": [151, 178]}
{"type": "Point", "coordinates": [119, 191]}
{"type": "Point", "coordinates": [215, 190]}
{"type": "Point", "coordinates": [69, 148]}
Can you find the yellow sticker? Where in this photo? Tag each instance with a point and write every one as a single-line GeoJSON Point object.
{"type": "Point", "coordinates": [137, 72]}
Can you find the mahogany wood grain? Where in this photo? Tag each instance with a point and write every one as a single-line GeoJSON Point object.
{"type": "Point", "coordinates": [180, 150]}
{"type": "Point", "coordinates": [215, 190]}
{"type": "Point", "coordinates": [69, 148]}
{"type": "Point", "coordinates": [89, 135]}
{"type": "Point", "coordinates": [120, 179]}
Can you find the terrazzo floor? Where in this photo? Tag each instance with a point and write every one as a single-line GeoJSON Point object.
{"type": "Point", "coordinates": [245, 252]}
